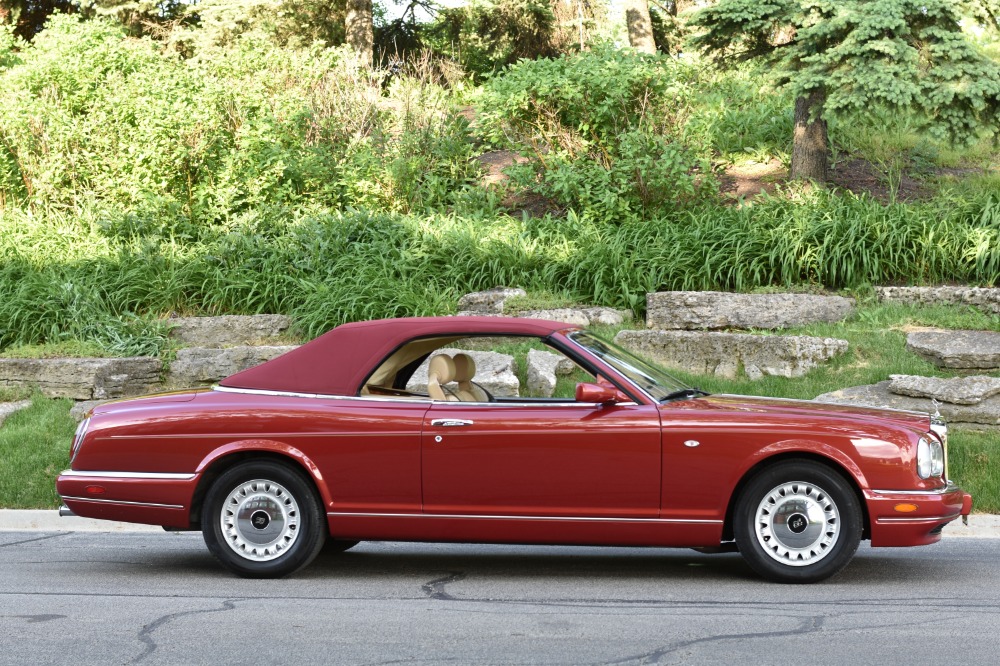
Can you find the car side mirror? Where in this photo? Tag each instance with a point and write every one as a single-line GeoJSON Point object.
{"type": "Point", "coordinates": [599, 393]}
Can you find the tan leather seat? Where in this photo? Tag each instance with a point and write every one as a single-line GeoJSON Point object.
{"type": "Point", "coordinates": [440, 371]}
{"type": "Point", "coordinates": [465, 370]}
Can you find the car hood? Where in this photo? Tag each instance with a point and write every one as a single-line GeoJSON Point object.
{"type": "Point", "coordinates": [809, 409]}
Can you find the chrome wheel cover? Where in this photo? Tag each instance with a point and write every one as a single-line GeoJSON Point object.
{"type": "Point", "coordinates": [260, 520]}
{"type": "Point", "coordinates": [797, 524]}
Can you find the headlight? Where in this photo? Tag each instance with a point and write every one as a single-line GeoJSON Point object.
{"type": "Point", "coordinates": [939, 428]}
{"type": "Point", "coordinates": [81, 430]}
{"type": "Point", "coordinates": [930, 458]}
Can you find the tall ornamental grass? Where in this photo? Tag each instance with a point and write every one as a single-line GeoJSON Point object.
{"type": "Point", "coordinates": [85, 276]}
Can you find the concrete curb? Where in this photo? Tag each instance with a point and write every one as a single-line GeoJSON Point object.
{"type": "Point", "coordinates": [50, 521]}
{"type": "Point", "coordinates": [981, 525]}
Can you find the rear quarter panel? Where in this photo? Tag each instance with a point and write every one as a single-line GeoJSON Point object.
{"type": "Point", "coordinates": [363, 455]}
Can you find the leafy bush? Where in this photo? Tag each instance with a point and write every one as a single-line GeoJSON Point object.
{"type": "Point", "coordinates": [600, 129]}
{"type": "Point", "coordinates": [92, 115]}
{"type": "Point", "coordinates": [486, 35]}
{"type": "Point", "coordinates": [739, 114]}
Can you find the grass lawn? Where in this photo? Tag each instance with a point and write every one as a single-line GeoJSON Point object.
{"type": "Point", "coordinates": [34, 448]}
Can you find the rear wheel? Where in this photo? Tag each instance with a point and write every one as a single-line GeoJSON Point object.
{"type": "Point", "coordinates": [262, 519]}
{"type": "Point", "coordinates": [798, 522]}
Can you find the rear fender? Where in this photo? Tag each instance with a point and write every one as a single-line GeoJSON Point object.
{"type": "Point", "coordinates": [248, 447]}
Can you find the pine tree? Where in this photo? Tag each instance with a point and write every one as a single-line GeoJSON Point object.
{"type": "Point", "coordinates": [846, 57]}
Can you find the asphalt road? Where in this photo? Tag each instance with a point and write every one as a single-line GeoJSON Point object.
{"type": "Point", "coordinates": [158, 598]}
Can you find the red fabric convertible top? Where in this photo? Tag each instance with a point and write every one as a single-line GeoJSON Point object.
{"type": "Point", "coordinates": [338, 361]}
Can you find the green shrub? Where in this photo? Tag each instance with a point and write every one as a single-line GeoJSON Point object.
{"type": "Point", "coordinates": [91, 115]}
{"type": "Point", "coordinates": [600, 129]}
{"type": "Point", "coordinates": [486, 35]}
{"type": "Point", "coordinates": [738, 114]}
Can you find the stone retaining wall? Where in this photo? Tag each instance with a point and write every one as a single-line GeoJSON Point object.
{"type": "Point", "coordinates": [83, 378]}
{"type": "Point", "coordinates": [733, 354]}
{"type": "Point", "coordinates": [693, 310]}
{"type": "Point", "coordinates": [984, 298]}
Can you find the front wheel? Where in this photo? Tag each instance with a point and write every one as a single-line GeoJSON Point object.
{"type": "Point", "coordinates": [798, 522]}
{"type": "Point", "coordinates": [263, 520]}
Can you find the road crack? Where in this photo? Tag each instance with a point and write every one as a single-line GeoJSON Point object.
{"type": "Point", "coordinates": [806, 626]}
{"type": "Point", "coordinates": [36, 618]}
{"type": "Point", "coordinates": [41, 538]}
{"type": "Point", "coordinates": [435, 588]}
{"type": "Point", "coordinates": [146, 634]}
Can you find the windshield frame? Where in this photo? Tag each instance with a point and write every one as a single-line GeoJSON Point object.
{"type": "Point", "coordinates": [658, 384]}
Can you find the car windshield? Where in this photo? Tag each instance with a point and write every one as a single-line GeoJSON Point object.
{"type": "Point", "coordinates": [653, 380]}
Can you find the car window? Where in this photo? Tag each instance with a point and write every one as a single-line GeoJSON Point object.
{"type": "Point", "coordinates": [478, 369]}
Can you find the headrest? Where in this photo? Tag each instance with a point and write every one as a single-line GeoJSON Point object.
{"type": "Point", "coordinates": [465, 368]}
{"type": "Point", "coordinates": [442, 368]}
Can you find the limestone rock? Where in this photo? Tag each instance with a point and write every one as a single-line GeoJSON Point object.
{"type": "Point", "coordinates": [494, 372]}
{"type": "Point", "coordinates": [229, 330]}
{"type": "Point", "coordinates": [693, 310]}
{"type": "Point", "coordinates": [203, 366]}
{"type": "Point", "coordinates": [722, 354]}
{"type": "Point", "coordinates": [956, 390]}
{"type": "Point", "coordinates": [966, 350]}
{"type": "Point", "coordinates": [8, 408]}
{"type": "Point", "coordinates": [82, 378]}
{"type": "Point", "coordinates": [543, 368]}
{"type": "Point", "coordinates": [487, 302]}
{"type": "Point", "coordinates": [580, 316]}
{"type": "Point", "coordinates": [983, 413]}
{"type": "Point", "coordinates": [986, 299]}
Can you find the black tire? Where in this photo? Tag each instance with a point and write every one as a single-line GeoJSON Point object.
{"type": "Point", "coordinates": [263, 519]}
{"type": "Point", "coordinates": [798, 522]}
{"type": "Point", "coordinates": [337, 546]}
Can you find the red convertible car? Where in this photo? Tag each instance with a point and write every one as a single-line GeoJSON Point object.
{"type": "Point", "coordinates": [383, 430]}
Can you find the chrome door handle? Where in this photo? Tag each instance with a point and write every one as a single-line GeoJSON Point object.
{"type": "Point", "coordinates": [450, 423]}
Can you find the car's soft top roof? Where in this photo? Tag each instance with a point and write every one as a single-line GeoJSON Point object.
{"type": "Point", "coordinates": [338, 361]}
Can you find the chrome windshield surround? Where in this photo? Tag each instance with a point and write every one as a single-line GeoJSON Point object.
{"type": "Point", "coordinates": [148, 476]}
{"type": "Point", "coordinates": [623, 376]}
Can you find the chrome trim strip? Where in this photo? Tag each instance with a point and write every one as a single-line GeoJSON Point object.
{"type": "Point", "coordinates": [416, 400]}
{"type": "Point", "coordinates": [925, 519]}
{"type": "Point", "coordinates": [494, 517]}
{"type": "Point", "coordinates": [323, 396]}
{"type": "Point", "coordinates": [149, 476]}
{"type": "Point", "coordinates": [451, 423]}
{"type": "Point", "coordinates": [950, 488]}
{"type": "Point", "coordinates": [111, 501]}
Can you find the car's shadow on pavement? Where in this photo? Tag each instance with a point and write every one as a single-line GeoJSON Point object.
{"type": "Point", "coordinates": [438, 565]}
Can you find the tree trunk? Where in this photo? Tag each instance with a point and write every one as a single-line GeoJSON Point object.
{"type": "Point", "coordinates": [359, 28]}
{"type": "Point", "coordinates": [810, 146]}
{"type": "Point", "coordinates": [640, 26]}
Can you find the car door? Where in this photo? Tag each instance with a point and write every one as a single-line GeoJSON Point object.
{"type": "Point", "coordinates": [546, 459]}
